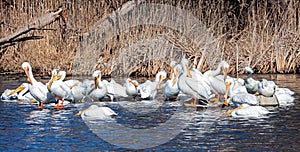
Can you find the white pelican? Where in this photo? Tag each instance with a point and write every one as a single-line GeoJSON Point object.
{"type": "Point", "coordinates": [99, 90]}
{"type": "Point", "coordinates": [9, 95]}
{"type": "Point", "coordinates": [131, 87]}
{"type": "Point", "coordinates": [192, 86]}
{"type": "Point", "coordinates": [22, 93]}
{"type": "Point", "coordinates": [250, 83]}
{"type": "Point", "coordinates": [78, 88]}
{"type": "Point", "coordinates": [266, 88]}
{"type": "Point", "coordinates": [170, 88]}
{"type": "Point", "coordinates": [246, 110]}
{"type": "Point", "coordinates": [60, 89]}
{"type": "Point", "coordinates": [115, 90]}
{"type": "Point", "coordinates": [238, 93]}
{"type": "Point", "coordinates": [148, 89]}
{"type": "Point", "coordinates": [217, 82]}
{"type": "Point", "coordinates": [284, 90]}
{"type": "Point", "coordinates": [236, 86]}
{"type": "Point", "coordinates": [70, 83]}
{"type": "Point", "coordinates": [284, 96]}
{"type": "Point", "coordinates": [244, 98]}
{"type": "Point", "coordinates": [79, 91]}
{"type": "Point", "coordinates": [38, 90]}
{"type": "Point", "coordinates": [96, 112]}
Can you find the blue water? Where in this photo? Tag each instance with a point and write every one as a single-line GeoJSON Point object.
{"type": "Point", "coordinates": [25, 128]}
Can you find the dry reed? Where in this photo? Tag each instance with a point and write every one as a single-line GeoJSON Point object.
{"type": "Point", "coordinates": [263, 35]}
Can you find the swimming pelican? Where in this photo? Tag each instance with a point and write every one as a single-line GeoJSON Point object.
{"type": "Point", "coordinates": [284, 96]}
{"type": "Point", "coordinates": [22, 93]}
{"type": "Point", "coordinates": [38, 90]}
{"type": "Point", "coordinates": [131, 87]}
{"type": "Point", "coordinates": [9, 95]}
{"type": "Point", "coordinates": [217, 82]}
{"type": "Point", "coordinates": [284, 90]}
{"type": "Point", "coordinates": [250, 83]}
{"type": "Point", "coordinates": [192, 86]}
{"type": "Point", "coordinates": [99, 91]}
{"type": "Point", "coordinates": [96, 112]}
{"type": "Point", "coordinates": [246, 110]}
{"type": "Point", "coordinates": [115, 90]}
{"type": "Point", "coordinates": [60, 89]}
{"type": "Point", "coordinates": [170, 88]}
{"type": "Point", "coordinates": [148, 89]}
{"type": "Point", "coordinates": [266, 88]}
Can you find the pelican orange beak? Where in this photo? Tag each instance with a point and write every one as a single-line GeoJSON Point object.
{"type": "Point", "coordinates": [172, 71]}
{"type": "Point", "coordinates": [58, 76]}
{"type": "Point", "coordinates": [53, 77]}
{"type": "Point", "coordinates": [74, 85]}
{"type": "Point", "coordinates": [20, 88]}
{"type": "Point", "coordinates": [224, 71]}
{"type": "Point", "coordinates": [235, 109]}
{"type": "Point", "coordinates": [227, 84]}
{"type": "Point", "coordinates": [135, 85]}
{"type": "Point", "coordinates": [176, 76]}
{"type": "Point", "coordinates": [161, 78]}
{"type": "Point", "coordinates": [26, 69]}
{"type": "Point", "coordinates": [77, 114]}
{"type": "Point", "coordinates": [188, 71]}
{"type": "Point", "coordinates": [96, 82]}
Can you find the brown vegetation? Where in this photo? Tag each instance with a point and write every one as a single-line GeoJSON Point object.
{"type": "Point", "coordinates": [264, 35]}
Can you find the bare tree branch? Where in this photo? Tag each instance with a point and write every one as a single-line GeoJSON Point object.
{"type": "Point", "coordinates": [39, 23]}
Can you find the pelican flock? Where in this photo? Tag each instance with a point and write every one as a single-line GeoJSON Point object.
{"type": "Point", "coordinates": [241, 96]}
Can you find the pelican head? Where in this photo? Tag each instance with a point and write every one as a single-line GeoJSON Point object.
{"type": "Point", "coordinates": [97, 77]}
{"type": "Point", "coordinates": [248, 70]}
{"type": "Point", "coordinates": [172, 65]}
{"type": "Point", "coordinates": [224, 68]}
{"type": "Point", "coordinates": [54, 73]}
{"type": "Point", "coordinates": [61, 75]}
{"type": "Point", "coordinates": [184, 65]}
{"type": "Point", "coordinates": [133, 82]}
{"type": "Point", "coordinates": [20, 88]}
{"type": "Point", "coordinates": [53, 78]}
{"type": "Point", "coordinates": [161, 75]}
{"type": "Point", "coordinates": [27, 68]}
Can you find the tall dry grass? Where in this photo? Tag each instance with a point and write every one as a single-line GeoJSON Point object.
{"type": "Point", "coordinates": [263, 35]}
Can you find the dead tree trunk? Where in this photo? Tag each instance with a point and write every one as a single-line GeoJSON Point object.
{"type": "Point", "coordinates": [37, 24]}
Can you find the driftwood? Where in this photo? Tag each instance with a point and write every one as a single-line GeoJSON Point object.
{"type": "Point", "coordinates": [37, 24]}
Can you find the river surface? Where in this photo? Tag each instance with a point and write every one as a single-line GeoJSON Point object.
{"type": "Point", "coordinates": [144, 126]}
